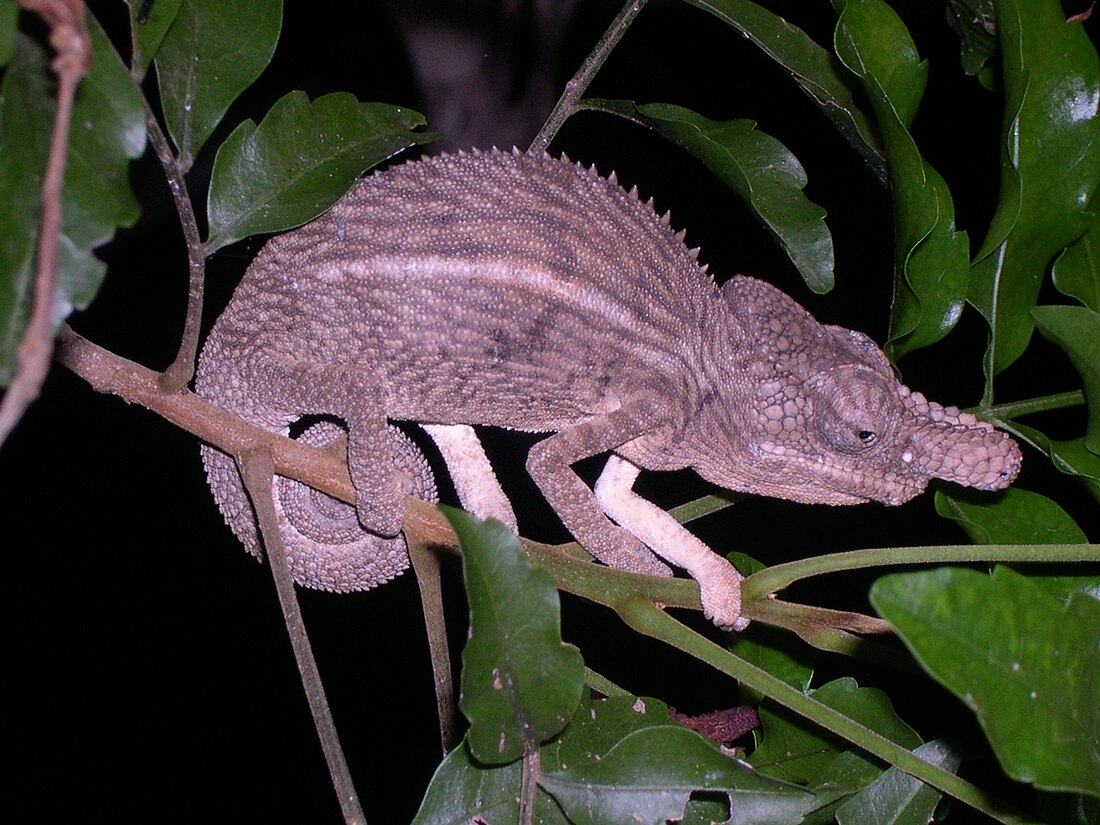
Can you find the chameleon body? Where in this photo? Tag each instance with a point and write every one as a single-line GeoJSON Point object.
{"type": "Point", "coordinates": [528, 292]}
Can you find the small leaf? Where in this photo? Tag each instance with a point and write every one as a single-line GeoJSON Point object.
{"type": "Point", "coordinates": [213, 51]}
{"type": "Point", "coordinates": [299, 161]}
{"type": "Point", "coordinates": [813, 68]}
{"type": "Point", "coordinates": [650, 774]}
{"type": "Point", "coordinates": [520, 683]}
{"type": "Point", "coordinates": [764, 174]}
{"type": "Point", "coordinates": [897, 797]}
{"type": "Point", "coordinates": [108, 129]}
{"type": "Point", "coordinates": [1017, 656]}
{"type": "Point", "coordinates": [149, 23]}
{"type": "Point", "coordinates": [1049, 168]}
{"type": "Point", "coordinates": [1077, 331]}
{"type": "Point", "coordinates": [975, 22]}
{"type": "Point", "coordinates": [931, 264]}
{"type": "Point", "coordinates": [795, 750]}
{"type": "Point", "coordinates": [1013, 516]}
{"type": "Point", "coordinates": [780, 653]}
{"type": "Point", "coordinates": [462, 791]}
{"type": "Point", "coordinates": [1077, 270]}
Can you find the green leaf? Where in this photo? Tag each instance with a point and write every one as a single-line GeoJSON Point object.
{"type": "Point", "coordinates": [462, 791]}
{"type": "Point", "coordinates": [1077, 270]}
{"type": "Point", "coordinates": [1024, 662]}
{"type": "Point", "coordinates": [931, 264]}
{"type": "Point", "coordinates": [897, 797]}
{"type": "Point", "coordinates": [108, 128]}
{"type": "Point", "coordinates": [213, 51]}
{"type": "Point", "coordinates": [795, 750]}
{"type": "Point", "coordinates": [520, 683]}
{"type": "Point", "coordinates": [601, 724]}
{"type": "Point", "coordinates": [147, 33]}
{"type": "Point", "coordinates": [760, 169]}
{"type": "Point", "coordinates": [9, 15]}
{"type": "Point", "coordinates": [1049, 169]}
{"type": "Point", "coordinates": [1077, 331]}
{"type": "Point", "coordinates": [650, 774]}
{"type": "Point", "coordinates": [1070, 457]}
{"type": "Point", "coordinates": [299, 161]}
{"type": "Point", "coordinates": [1013, 516]}
{"type": "Point", "coordinates": [975, 22]}
{"type": "Point", "coordinates": [812, 67]}
{"type": "Point", "coordinates": [780, 653]}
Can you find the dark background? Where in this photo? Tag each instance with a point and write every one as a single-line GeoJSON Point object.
{"type": "Point", "coordinates": [149, 672]}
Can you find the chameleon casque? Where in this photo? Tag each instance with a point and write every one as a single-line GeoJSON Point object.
{"type": "Point", "coordinates": [527, 292]}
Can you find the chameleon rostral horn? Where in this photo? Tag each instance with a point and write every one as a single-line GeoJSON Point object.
{"type": "Point", "coordinates": [528, 292]}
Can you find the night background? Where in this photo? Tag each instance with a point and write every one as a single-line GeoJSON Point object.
{"type": "Point", "coordinates": [149, 669]}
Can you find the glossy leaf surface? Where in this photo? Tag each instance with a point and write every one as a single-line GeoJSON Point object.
{"type": "Point", "coordinates": [213, 51]}
{"type": "Point", "coordinates": [931, 258]}
{"type": "Point", "coordinates": [1049, 169]}
{"type": "Point", "coordinates": [301, 158]}
{"type": "Point", "coordinates": [760, 169]}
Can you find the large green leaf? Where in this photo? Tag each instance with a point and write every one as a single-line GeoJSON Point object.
{"type": "Point", "coordinates": [812, 67]}
{"type": "Point", "coordinates": [299, 161]}
{"type": "Point", "coordinates": [520, 683]}
{"type": "Point", "coordinates": [463, 791]}
{"type": "Point", "coordinates": [898, 798]}
{"type": "Point", "coordinates": [1077, 270]}
{"type": "Point", "coordinates": [794, 750]}
{"type": "Point", "coordinates": [1026, 663]}
{"type": "Point", "coordinates": [108, 129]}
{"type": "Point", "coordinates": [1077, 331]}
{"type": "Point", "coordinates": [761, 170]}
{"type": "Point", "coordinates": [149, 23]}
{"type": "Point", "coordinates": [1012, 516]}
{"type": "Point", "coordinates": [650, 774]}
{"type": "Point", "coordinates": [213, 51]}
{"type": "Point", "coordinates": [1049, 169]}
{"type": "Point", "coordinates": [931, 258]}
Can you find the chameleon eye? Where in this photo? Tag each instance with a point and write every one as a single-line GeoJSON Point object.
{"type": "Point", "coordinates": [868, 437]}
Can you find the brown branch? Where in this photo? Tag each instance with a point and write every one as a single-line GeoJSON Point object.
{"type": "Point", "coordinates": [322, 469]}
{"type": "Point", "coordinates": [181, 370]}
{"type": "Point", "coordinates": [69, 39]}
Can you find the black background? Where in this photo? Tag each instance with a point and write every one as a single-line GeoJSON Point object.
{"type": "Point", "coordinates": [149, 673]}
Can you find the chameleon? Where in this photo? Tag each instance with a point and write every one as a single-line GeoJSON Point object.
{"type": "Point", "coordinates": [524, 291]}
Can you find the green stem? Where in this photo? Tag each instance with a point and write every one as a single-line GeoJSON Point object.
{"type": "Point", "coordinates": [781, 576]}
{"type": "Point", "coordinates": [567, 103]}
{"type": "Point", "coordinates": [1014, 409]}
{"type": "Point", "coordinates": [648, 619]}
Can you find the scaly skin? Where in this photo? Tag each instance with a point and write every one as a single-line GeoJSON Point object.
{"type": "Point", "coordinates": [527, 292]}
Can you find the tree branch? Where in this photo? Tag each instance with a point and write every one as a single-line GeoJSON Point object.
{"type": "Point", "coordinates": [69, 38]}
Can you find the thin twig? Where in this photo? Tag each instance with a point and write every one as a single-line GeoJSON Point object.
{"type": "Point", "coordinates": [577, 84]}
{"type": "Point", "coordinates": [181, 370]}
{"type": "Point", "coordinates": [258, 473]}
{"type": "Point", "coordinates": [69, 38]}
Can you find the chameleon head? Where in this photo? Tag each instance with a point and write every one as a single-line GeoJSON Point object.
{"type": "Point", "coordinates": [827, 422]}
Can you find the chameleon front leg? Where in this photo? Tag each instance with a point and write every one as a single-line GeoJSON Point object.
{"type": "Point", "coordinates": [549, 465]}
{"type": "Point", "coordinates": [473, 476]}
{"type": "Point", "coordinates": [719, 582]}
